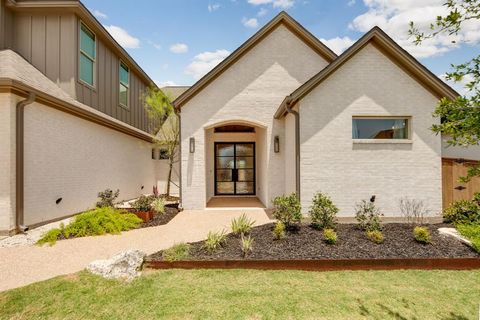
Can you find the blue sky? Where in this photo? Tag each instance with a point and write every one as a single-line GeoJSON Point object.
{"type": "Point", "coordinates": [177, 41]}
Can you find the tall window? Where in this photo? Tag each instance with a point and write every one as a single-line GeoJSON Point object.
{"type": "Point", "coordinates": [380, 128]}
{"type": "Point", "coordinates": [124, 80]}
{"type": "Point", "coordinates": [87, 55]}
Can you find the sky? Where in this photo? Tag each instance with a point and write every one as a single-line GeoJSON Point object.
{"type": "Point", "coordinates": [178, 41]}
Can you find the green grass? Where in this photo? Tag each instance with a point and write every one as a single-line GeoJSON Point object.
{"type": "Point", "coordinates": [248, 294]}
{"type": "Point", "coordinates": [472, 233]}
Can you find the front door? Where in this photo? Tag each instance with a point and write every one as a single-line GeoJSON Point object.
{"type": "Point", "coordinates": [234, 168]}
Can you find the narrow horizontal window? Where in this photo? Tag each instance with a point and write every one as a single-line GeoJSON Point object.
{"type": "Point", "coordinates": [380, 128]}
{"type": "Point", "coordinates": [124, 78]}
{"type": "Point", "coordinates": [87, 55]}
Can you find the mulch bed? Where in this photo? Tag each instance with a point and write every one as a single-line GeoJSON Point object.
{"type": "Point", "coordinates": [161, 219]}
{"type": "Point", "coordinates": [307, 244]}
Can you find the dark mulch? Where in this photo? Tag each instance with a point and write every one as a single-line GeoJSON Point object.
{"type": "Point", "coordinates": [161, 219]}
{"type": "Point", "coordinates": [307, 243]}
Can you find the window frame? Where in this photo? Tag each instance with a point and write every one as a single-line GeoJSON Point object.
{"type": "Point", "coordinates": [120, 83]}
{"type": "Point", "coordinates": [93, 59]}
{"type": "Point", "coordinates": [377, 117]}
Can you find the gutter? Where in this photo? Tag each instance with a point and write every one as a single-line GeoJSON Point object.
{"type": "Point", "coordinates": [289, 109]}
{"type": "Point", "coordinates": [19, 163]}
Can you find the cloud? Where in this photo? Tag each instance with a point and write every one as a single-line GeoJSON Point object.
{"type": "Point", "coordinates": [179, 48]}
{"type": "Point", "coordinates": [213, 7]}
{"type": "Point", "coordinates": [167, 83]}
{"type": "Point", "coordinates": [459, 86]}
{"type": "Point", "coordinates": [393, 17]}
{"type": "Point", "coordinates": [99, 14]}
{"type": "Point", "coordinates": [262, 12]}
{"type": "Point", "coordinates": [250, 23]}
{"type": "Point", "coordinates": [283, 4]}
{"type": "Point", "coordinates": [204, 62]}
{"type": "Point", "coordinates": [123, 37]}
{"type": "Point", "coordinates": [351, 3]}
{"type": "Point", "coordinates": [338, 45]}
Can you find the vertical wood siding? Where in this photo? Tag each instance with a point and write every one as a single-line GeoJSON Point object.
{"type": "Point", "coordinates": [453, 190]}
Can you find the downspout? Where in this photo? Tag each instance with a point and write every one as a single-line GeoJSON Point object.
{"type": "Point", "coordinates": [297, 145]}
{"type": "Point", "coordinates": [19, 151]}
{"type": "Point", "coordinates": [180, 200]}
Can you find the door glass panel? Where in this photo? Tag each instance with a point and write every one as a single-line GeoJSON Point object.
{"type": "Point", "coordinates": [224, 175]}
{"type": "Point", "coordinates": [245, 149]}
{"type": "Point", "coordinates": [225, 150]}
{"type": "Point", "coordinates": [246, 175]}
{"type": "Point", "coordinates": [225, 187]}
{"type": "Point", "coordinates": [245, 162]}
{"type": "Point", "coordinates": [245, 188]}
{"type": "Point", "coordinates": [224, 162]}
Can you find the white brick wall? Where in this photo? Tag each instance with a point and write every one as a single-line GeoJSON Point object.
{"type": "Point", "coordinates": [250, 90]}
{"type": "Point", "coordinates": [369, 84]}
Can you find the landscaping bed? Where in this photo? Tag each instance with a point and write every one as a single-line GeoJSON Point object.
{"type": "Point", "coordinates": [161, 219]}
{"type": "Point", "coordinates": [307, 243]}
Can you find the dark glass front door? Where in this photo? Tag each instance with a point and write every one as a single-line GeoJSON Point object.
{"type": "Point", "coordinates": [234, 168]}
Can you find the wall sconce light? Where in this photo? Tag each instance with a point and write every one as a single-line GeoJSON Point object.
{"type": "Point", "coordinates": [192, 145]}
{"type": "Point", "coordinates": [58, 200]}
{"type": "Point", "coordinates": [276, 144]}
{"type": "Point", "coordinates": [154, 154]}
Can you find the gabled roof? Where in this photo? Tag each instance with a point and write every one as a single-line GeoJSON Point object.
{"type": "Point", "coordinates": [173, 92]}
{"type": "Point", "coordinates": [392, 50]}
{"type": "Point", "coordinates": [281, 19]}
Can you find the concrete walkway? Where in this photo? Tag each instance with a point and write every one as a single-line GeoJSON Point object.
{"type": "Point", "coordinates": [23, 265]}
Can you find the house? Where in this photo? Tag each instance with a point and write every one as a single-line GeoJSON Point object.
{"type": "Point", "coordinates": [283, 113]}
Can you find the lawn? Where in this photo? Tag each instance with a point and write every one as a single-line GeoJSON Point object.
{"type": "Point", "coordinates": [248, 294]}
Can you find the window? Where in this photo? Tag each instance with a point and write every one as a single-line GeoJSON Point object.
{"type": "Point", "coordinates": [124, 78]}
{"type": "Point", "coordinates": [87, 55]}
{"type": "Point", "coordinates": [380, 128]}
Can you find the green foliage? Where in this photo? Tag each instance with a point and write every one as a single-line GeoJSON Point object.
{"type": "Point", "coordinates": [177, 252]}
{"type": "Point", "coordinates": [287, 210]}
{"type": "Point", "coordinates": [107, 198]}
{"type": "Point", "coordinates": [95, 222]}
{"type": "Point", "coordinates": [330, 236]}
{"type": "Point", "coordinates": [158, 205]}
{"type": "Point", "coordinates": [215, 240]}
{"type": "Point", "coordinates": [422, 235]}
{"type": "Point", "coordinates": [463, 211]}
{"type": "Point", "coordinates": [471, 231]}
{"type": "Point", "coordinates": [242, 224]}
{"type": "Point", "coordinates": [323, 211]}
{"type": "Point", "coordinates": [246, 245]}
{"type": "Point", "coordinates": [375, 236]}
{"type": "Point", "coordinates": [368, 216]}
{"type": "Point", "coordinates": [279, 231]}
{"type": "Point", "coordinates": [143, 203]}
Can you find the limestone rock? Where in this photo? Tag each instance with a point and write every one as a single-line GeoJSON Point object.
{"type": "Point", "coordinates": [125, 265]}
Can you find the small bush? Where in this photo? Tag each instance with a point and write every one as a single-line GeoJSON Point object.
{"type": "Point", "coordinates": [215, 240]}
{"type": "Point", "coordinates": [471, 232]}
{"type": "Point", "coordinates": [50, 237]}
{"type": "Point", "coordinates": [279, 231]}
{"type": "Point", "coordinates": [177, 252]}
{"type": "Point", "coordinates": [422, 235]}
{"type": "Point", "coordinates": [462, 212]}
{"type": "Point", "coordinates": [242, 224]}
{"type": "Point", "coordinates": [158, 205]}
{"type": "Point", "coordinates": [375, 236]}
{"type": "Point", "coordinates": [287, 210]}
{"type": "Point", "coordinates": [143, 204]}
{"type": "Point", "coordinates": [323, 212]}
{"type": "Point", "coordinates": [330, 236]}
{"type": "Point", "coordinates": [246, 244]}
{"type": "Point", "coordinates": [368, 216]}
{"type": "Point", "coordinates": [107, 198]}
{"type": "Point", "coordinates": [412, 210]}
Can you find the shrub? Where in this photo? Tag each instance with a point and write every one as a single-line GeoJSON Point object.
{"type": "Point", "coordinates": [107, 198]}
{"type": "Point", "coordinates": [143, 203]}
{"type": "Point", "coordinates": [94, 222]}
{"type": "Point", "coordinates": [422, 235]}
{"type": "Point", "coordinates": [472, 233]}
{"type": "Point", "coordinates": [158, 205]}
{"type": "Point", "coordinates": [287, 210]}
{"type": "Point", "coordinates": [215, 240]}
{"type": "Point", "coordinates": [279, 231]}
{"type": "Point", "coordinates": [242, 224]}
{"type": "Point", "coordinates": [50, 237]}
{"type": "Point", "coordinates": [330, 236]}
{"type": "Point", "coordinates": [412, 210]}
{"type": "Point", "coordinates": [476, 198]}
{"type": "Point", "coordinates": [368, 216]}
{"type": "Point", "coordinates": [323, 212]}
{"type": "Point", "coordinates": [177, 252]}
{"type": "Point", "coordinates": [375, 236]}
{"type": "Point", "coordinates": [246, 244]}
{"type": "Point", "coordinates": [463, 211]}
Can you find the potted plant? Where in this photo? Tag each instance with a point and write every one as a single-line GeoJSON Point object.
{"type": "Point", "coordinates": [142, 208]}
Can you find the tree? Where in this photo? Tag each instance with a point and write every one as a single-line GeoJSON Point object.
{"type": "Point", "coordinates": [165, 126]}
{"type": "Point", "coordinates": [460, 118]}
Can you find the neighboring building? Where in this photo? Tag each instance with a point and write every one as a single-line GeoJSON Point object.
{"type": "Point", "coordinates": [284, 114]}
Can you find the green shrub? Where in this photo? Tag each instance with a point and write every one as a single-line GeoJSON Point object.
{"type": "Point", "coordinates": [323, 212]}
{"type": "Point", "coordinates": [279, 231]}
{"type": "Point", "coordinates": [422, 235]}
{"type": "Point", "coordinates": [287, 209]}
{"type": "Point", "coordinates": [375, 236]}
{"type": "Point", "coordinates": [242, 224]}
{"type": "Point", "coordinates": [368, 216]}
{"type": "Point", "coordinates": [330, 236]}
{"type": "Point", "coordinates": [177, 252]}
{"type": "Point", "coordinates": [463, 211]}
{"type": "Point", "coordinates": [215, 240]}
{"type": "Point", "coordinates": [95, 222]}
{"type": "Point", "coordinates": [246, 245]}
{"type": "Point", "coordinates": [50, 237]}
{"type": "Point", "coordinates": [107, 198]}
{"type": "Point", "coordinates": [143, 203]}
{"type": "Point", "coordinates": [471, 232]}
{"type": "Point", "coordinates": [158, 205]}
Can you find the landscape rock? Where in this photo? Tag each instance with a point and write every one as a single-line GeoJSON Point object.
{"type": "Point", "coordinates": [125, 265]}
{"type": "Point", "coordinates": [452, 232]}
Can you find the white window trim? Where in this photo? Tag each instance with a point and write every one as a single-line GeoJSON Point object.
{"type": "Point", "coordinates": [121, 83]}
{"type": "Point", "coordinates": [385, 141]}
{"type": "Point", "coordinates": [86, 55]}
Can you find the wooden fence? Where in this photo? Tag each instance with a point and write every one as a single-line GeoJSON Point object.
{"type": "Point", "coordinates": [452, 170]}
